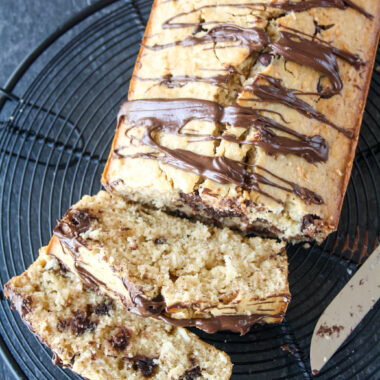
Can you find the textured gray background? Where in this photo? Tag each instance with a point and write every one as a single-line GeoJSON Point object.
{"type": "Point", "coordinates": [24, 24]}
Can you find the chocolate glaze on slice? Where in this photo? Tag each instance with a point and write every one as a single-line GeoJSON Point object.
{"type": "Point", "coordinates": [73, 223]}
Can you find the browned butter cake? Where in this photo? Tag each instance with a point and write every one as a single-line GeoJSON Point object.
{"type": "Point", "coordinates": [98, 338]}
{"type": "Point", "coordinates": [181, 272]}
{"type": "Point", "coordinates": [247, 113]}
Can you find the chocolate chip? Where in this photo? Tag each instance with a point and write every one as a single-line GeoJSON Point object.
{"type": "Point", "coordinates": [81, 219]}
{"type": "Point", "coordinates": [160, 240]}
{"type": "Point", "coordinates": [63, 269]}
{"type": "Point", "coordinates": [265, 59]}
{"type": "Point", "coordinates": [319, 27]}
{"type": "Point", "coordinates": [120, 339]}
{"type": "Point", "coordinates": [156, 305]}
{"type": "Point", "coordinates": [26, 306]}
{"type": "Point", "coordinates": [192, 373]}
{"type": "Point", "coordinates": [144, 364]}
{"type": "Point", "coordinates": [77, 324]}
{"type": "Point", "coordinates": [308, 220]}
{"type": "Point", "coordinates": [103, 308]}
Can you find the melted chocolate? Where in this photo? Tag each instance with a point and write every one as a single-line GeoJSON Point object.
{"type": "Point", "coordinates": [310, 53]}
{"type": "Point", "coordinates": [314, 52]}
{"type": "Point", "coordinates": [86, 277]}
{"type": "Point", "coordinates": [73, 223]}
{"type": "Point", "coordinates": [142, 306]}
{"type": "Point", "coordinates": [173, 81]}
{"type": "Point", "coordinates": [120, 339]}
{"type": "Point", "coordinates": [170, 116]}
{"type": "Point", "coordinates": [301, 6]}
{"type": "Point", "coordinates": [352, 59]}
{"type": "Point", "coordinates": [276, 92]}
{"type": "Point", "coordinates": [265, 59]}
{"type": "Point", "coordinates": [157, 308]}
{"type": "Point", "coordinates": [235, 323]}
{"type": "Point", "coordinates": [254, 39]}
{"type": "Point", "coordinates": [288, 6]}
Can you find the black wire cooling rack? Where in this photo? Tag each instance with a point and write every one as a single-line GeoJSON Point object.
{"type": "Point", "coordinates": [54, 139]}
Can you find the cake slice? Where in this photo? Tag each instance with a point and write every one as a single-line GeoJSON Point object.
{"type": "Point", "coordinates": [184, 273]}
{"type": "Point", "coordinates": [98, 339]}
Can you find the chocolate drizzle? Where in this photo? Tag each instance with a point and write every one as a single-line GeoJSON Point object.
{"type": "Point", "coordinates": [235, 323]}
{"type": "Point", "coordinates": [314, 52]}
{"type": "Point", "coordinates": [170, 116]}
{"type": "Point", "coordinates": [87, 278]}
{"type": "Point", "coordinates": [274, 91]}
{"type": "Point", "coordinates": [255, 39]}
{"type": "Point", "coordinates": [310, 53]}
{"type": "Point", "coordinates": [353, 59]}
{"type": "Point", "coordinates": [141, 305]}
{"type": "Point", "coordinates": [173, 81]}
{"type": "Point", "coordinates": [288, 6]}
{"type": "Point", "coordinates": [301, 6]}
{"type": "Point", "coordinates": [157, 308]}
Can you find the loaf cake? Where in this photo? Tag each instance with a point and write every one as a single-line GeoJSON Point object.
{"type": "Point", "coordinates": [181, 272]}
{"type": "Point", "coordinates": [97, 338]}
{"type": "Point", "coordinates": [247, 113]}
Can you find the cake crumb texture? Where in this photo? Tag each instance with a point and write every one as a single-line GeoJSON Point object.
{"type": "Point", "coordinates": [98, 338]}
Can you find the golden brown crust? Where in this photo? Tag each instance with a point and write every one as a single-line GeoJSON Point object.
{"type": "Point", "coordinates": [358, 123]}
{"type": "Point", "coordinates": [104, 179]}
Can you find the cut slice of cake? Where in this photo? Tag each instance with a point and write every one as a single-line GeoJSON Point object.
{"type": "Point", "coordinates": [182, 272]}
{"type": "Point", "coordinates": [98, 338]}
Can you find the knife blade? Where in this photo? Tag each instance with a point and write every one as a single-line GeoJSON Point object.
{"type": "Point", "coordinates": [345, 312]}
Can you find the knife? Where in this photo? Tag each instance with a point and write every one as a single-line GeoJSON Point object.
{"type": "Point", "coordinates": [345, 312]}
